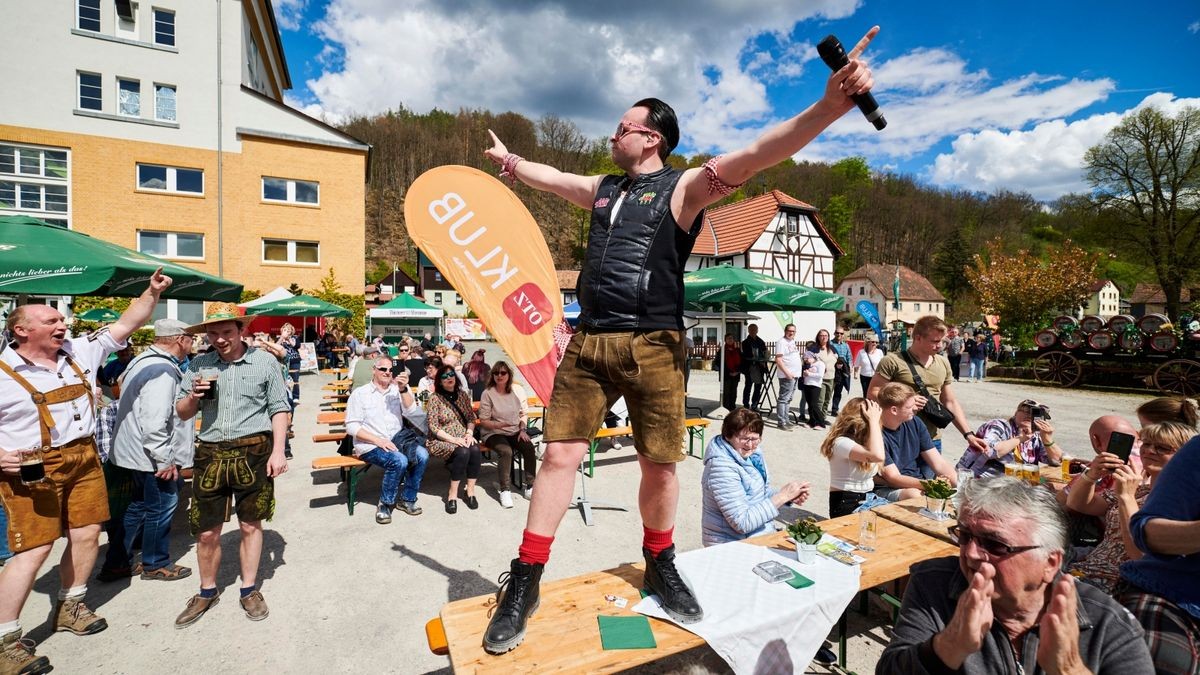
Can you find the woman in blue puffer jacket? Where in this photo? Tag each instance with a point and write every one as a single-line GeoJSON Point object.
{"type": "Point", "coordinates": [738, 499]}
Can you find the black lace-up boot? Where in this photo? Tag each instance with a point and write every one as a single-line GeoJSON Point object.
{"type": "Point", "coordinates": [663, 580]}
{"type": "Point", "coordinates": [516, 600]}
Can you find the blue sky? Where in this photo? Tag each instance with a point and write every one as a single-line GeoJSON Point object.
{"type": "Point", "coordinates": [978, 95]}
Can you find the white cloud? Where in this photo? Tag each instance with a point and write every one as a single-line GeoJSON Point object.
{"type": "Point", "coordinates": [1046, 160]}
{"type": "Point", "coordinates": [1194, 27]}
{"type": "Point", "coordinates": [290, 13]}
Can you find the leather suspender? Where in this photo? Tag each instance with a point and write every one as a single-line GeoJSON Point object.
{"type": "Point", "coordinates": [43, 401]}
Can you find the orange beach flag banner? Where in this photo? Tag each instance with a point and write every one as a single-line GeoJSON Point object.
{"type": "Point", "coordinates": [488, 246]}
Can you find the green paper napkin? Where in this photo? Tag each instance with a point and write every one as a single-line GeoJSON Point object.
{"type": "Point", "coordinates": [626, 632]}
{"type": "Point", "coordinates": [799, 580]}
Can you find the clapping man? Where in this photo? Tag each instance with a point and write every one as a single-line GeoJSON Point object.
{"type": "Point", "coordinates": [1004, 605]}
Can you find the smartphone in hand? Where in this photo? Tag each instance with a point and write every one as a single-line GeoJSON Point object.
{"type": "Point", "coordinates": [1121, 445]}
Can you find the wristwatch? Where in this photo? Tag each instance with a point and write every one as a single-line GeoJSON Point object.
{"type": "Point", "coordinates": [968, 433]}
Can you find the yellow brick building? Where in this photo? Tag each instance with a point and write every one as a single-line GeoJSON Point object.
{"type": "Point", "coordinates": [162, 128]}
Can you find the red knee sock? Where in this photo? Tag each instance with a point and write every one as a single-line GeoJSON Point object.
{"type": "Point", "coordinates": [535, 549]}
{"type": "Point", "coordinates": [656, 541]}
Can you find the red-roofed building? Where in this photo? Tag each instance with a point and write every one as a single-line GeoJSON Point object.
{"type": "Point", "coordinates": [775, 234]}
{"type": "Point", "coordinates": [874, 283]}
{"type": "Point", "coordinates": [1150, 299]}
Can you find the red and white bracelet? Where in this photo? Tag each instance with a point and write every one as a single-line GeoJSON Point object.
{"type": "Point", "coordinates": [715, 184]}
{"type": "Point", "coordinates": [508, 168]}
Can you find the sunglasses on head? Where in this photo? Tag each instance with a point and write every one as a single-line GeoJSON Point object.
{"type": "Point", "coordinates": [994, 548]}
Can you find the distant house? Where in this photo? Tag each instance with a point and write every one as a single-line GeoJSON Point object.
{"type": "Point", "coordinates": [383, 290]}
{"type": "Point", "coordinates": [775, 234]}
{"type": "Point", "coordinates": [435, 290]}
{"type": "Point", "coordinates": [568, 285]}
{"type": "Point", "coordinates": [1150, 299]}
{"type": "Point", "coordinates": [874, 283]}
{"type": "Point", "coordinates": [1104, 300]}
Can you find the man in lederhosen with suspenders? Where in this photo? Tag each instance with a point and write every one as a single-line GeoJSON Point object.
{"type": "Point", "coordinates": [47, 389]}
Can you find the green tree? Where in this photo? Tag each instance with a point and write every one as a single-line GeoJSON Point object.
{"type": "Point", "coordinates": [1146, 177]}
{"type": "Point", "coordinates": [331, 291]}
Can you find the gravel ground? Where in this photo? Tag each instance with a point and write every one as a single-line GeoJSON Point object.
{"type": "Point", "coordinates": [347, 595]}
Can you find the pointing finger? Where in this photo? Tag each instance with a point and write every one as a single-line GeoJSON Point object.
{"type": "Point", "coordinates": [862, 44]}
{"type": "Point", "coordinates": [493, 135]}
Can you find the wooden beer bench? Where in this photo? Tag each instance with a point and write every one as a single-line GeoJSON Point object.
{"type": "Point", "coordinates": [563, 635]}
{"type": "Point", "coordinates": [350, 468]}
{"type": "Point", "coordinates": [696, 428]}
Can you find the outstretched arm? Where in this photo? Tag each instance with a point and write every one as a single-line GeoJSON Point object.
{"type": "Point", "coordinates": [786, 139]}
{"type": "Point", "coordinates": [574, 188]}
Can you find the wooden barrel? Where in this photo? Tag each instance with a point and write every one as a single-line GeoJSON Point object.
{"type": "Point", "coordinates": [1151, 323]}
{"type": "Point", "coordinates": [1065, 322]}
{"type": "Point", "coordinates": [1045, 339]}
{"type": "Point", "coordinates": [1091, 323]}
{"type": "Point", "coordinates": [1131, 341]}
{"type": "Point", "coordinates": [1164, 342]}
{"type": "Point", "coordinates": [1118, 323]}
{"type": "Point", "coordinates": [1102, 340]}
{"type": "Point", "coordinates": [1071, 339]}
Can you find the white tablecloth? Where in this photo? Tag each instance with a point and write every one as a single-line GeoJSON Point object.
{"type": "Point", "coordinates": [759, 627]}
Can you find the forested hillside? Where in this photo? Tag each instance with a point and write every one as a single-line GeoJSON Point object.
{"type": "Point", "coordinates": [877, 218]}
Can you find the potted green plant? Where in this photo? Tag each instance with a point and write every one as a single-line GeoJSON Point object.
{"type": "Point", "coordinates": [937, 492]}
{"type": "Point", "coordinates": [805, 534]}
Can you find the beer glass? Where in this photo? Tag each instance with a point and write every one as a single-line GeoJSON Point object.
{"type": "Point", "coordinates": [868, 523]}
{"type": "Point", "coordinates": [33, 470]}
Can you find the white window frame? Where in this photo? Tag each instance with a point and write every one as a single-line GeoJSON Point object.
{"type": "Point", "coordinates": [38, 182]}
{"type": "Point", "coordinates": [291, 191]}
{"type": "Point", "coordinates": [121, 105]}
{"type": "Point", "coordinates": [437, 297]}
{"type": "Point", "coordinates": [291, 252]}
{"type": "Point", "coordinates": [172, 177]}
{"type": "Point", "coordinates": [158, 87]}
{"type": "Point", "coordinates": [99, 97]}
{"type": "Point", "coordinates": [156, 12]}
{"type": "Point", "coordinates": [170, 307]}
{"type": "Point", "coordinates": [173, 244]}
{"type": "Point", "coordinates": [79, 17]}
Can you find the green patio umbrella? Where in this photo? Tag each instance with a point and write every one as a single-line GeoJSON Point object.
{"type": "Point", "coordinates": [726, 287]}
{"type": "Point", "coordinates": [43, 259]}
{"type": "Point", "coordinates": [299, 305]}
{"type": "Point", "coordinates": [99, 315]}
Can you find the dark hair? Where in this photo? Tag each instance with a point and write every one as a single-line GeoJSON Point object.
{"type": "Point", "coordinates": [662, 119]}
{"type": "Point", "coordinates": [437, 383]}
{"type": "Point", "coordinates": [492, 377]}
{"type": "Point", "coordinates": [476, 369]}
{"type": "Point", "coordinates": [740, 420]}
{"type": "Point", "coordinates": [435, 361]}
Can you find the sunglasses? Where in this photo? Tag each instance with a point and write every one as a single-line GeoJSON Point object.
{"type": "Point", "coordinates": [448, 376]}
{"type": "Point", "coordinates": [383, 369]}
{"type": "Point", "coordinates": [498, 373]}
{"type": "Point", "coordinates": [994, 548]}
{"type": "Point", "coordinates": [625, 128]}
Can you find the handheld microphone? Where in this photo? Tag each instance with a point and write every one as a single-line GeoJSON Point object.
{"type": "Point", "coordinates": [834, 56]}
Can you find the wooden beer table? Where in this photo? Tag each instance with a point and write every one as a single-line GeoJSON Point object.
{"type": "Point", "coordinates": [563, 634]}
{"type": "Point", "coordinates": [907, 513]}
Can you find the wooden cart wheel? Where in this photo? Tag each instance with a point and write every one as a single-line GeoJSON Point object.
{"type": "Point", "coordinates": [1180, 376]}
{"type": "Point", "coordinates": [1057, 367]}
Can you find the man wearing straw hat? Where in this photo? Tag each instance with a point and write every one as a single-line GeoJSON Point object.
{"type": "Point", "coordinates": [240, 395]}
{"type": "Point", "coordinates": [48, 418]}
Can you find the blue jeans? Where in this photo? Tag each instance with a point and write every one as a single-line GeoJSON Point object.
{"type": "Point", "coordinates": [397, 467]}
{"type": "Point", "coordinates": [977, 366]}
{"type": "Point", "coordinates": [149, 513]}
{"type": "Point", "coordinates": [927, 472]}
{"type": "Point", "coordinates": [787, 387]}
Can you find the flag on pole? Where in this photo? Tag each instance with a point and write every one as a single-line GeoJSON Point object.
{"type": "Point", "coordinates": [896, 289]}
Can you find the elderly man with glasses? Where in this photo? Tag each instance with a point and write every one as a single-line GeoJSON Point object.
{"type": "Point", "coordinates": [388, 427]}
{"type": "Point", "coordinates": [1005, 606]}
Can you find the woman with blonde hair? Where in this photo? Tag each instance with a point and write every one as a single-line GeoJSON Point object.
{"type": "Point", "coordinates": [1117, 503]}
{"type": "Point", "coordinates": [854, 448]}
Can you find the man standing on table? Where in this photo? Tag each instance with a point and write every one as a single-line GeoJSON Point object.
{"type": "Point", "coordinates": [630, 342]}
{"type": "Point", "coordinates": [47, 385]}
{"type": "Point", "coordinates": [243, 426]}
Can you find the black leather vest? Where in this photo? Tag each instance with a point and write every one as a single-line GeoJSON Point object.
{"type": "Point", "coordinates": [632, 275]}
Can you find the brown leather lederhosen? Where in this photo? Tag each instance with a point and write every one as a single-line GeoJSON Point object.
{"type": "Point", "coordinates": [74, 489]}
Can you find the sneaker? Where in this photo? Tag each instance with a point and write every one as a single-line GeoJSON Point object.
{"type": "Point", "coordinates": [17, 656]}
{"type": "Point", "coordinates": [383, 515]}
{"type": "Point", "coordinates": [616, 445]}
{"type": "Point", "coordinates": [527, 492]}
{"type": "Point", "coordinates": [255, 606]}
{"type": "Point", "coordinates": [825, 656]}
{"type": "Point", "coordinates": [410, 508]}
{"type": "Point", "coordinates": [196, 607]}
{"type": "Point", "coordinates": [516, 600]}
{"type": "Point", "coordinates": [663, 580]}
{"type": "Point", "coordinates": [73, 615]}
{"type": "Point", "coordinates": [506, 499]}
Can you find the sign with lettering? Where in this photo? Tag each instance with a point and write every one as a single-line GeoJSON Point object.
{"type": "Point", "coordinates": [486, 244]}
